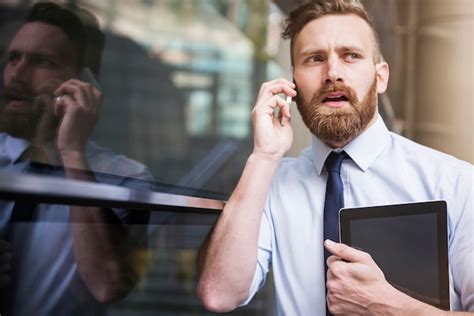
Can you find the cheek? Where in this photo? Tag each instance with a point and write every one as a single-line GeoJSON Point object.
{"type": "Point", "coordinates": [306, 89]}
{"type": "Point", "coordinates": [7, 74]}
{"type": "Point", "coordinates": [47, 81]}
{"type": "Point", "coordinates": [362, 88]}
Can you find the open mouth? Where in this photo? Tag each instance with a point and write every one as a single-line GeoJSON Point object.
{"type": "Point", "coordinates": [335, 97]}
{"type": "Point", "coordinates": [18, 97]}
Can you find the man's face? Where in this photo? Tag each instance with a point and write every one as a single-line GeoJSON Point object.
{"type": "Point", "coordinates": [336, 77]}
{"type": "Point", "coordinates": [39, 58]}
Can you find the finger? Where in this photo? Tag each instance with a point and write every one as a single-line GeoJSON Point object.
{"type": "Point", "coordinates": [285, 115]}
{"type": "Point", "coordinates": [331, 259]}
{"type": "Point", "coordinates": [269, 106]}
{"type": "Point", "coordinates": [80, 91]}
{"type": "Point", "coordinates": [345, 252]}
{"type": "Point", "coordinates": [281, 85]}
{"type": "Point", "coordinates": [61, 106]}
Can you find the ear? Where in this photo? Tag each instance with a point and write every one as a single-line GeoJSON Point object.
{"type": "Point", "coordinates": [383, 72]}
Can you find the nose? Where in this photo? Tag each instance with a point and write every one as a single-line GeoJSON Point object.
{"type": "Point", "coordinates": [19, 71]}
{"type": "Point", "coordinates": [333, 71]}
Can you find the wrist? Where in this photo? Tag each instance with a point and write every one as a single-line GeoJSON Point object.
{"type": "Point", "coordinates": [399, 303]}
{"type": "Point", "coordinates": [273, 159]}
{"type": "Point", "coordinates": [74, 159]}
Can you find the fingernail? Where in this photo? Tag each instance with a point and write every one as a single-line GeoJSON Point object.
{"type": "Point", "coordinates": [329, 242]}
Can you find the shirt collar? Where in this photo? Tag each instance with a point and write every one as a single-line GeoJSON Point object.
{"type": "Point", "coordinates": [16, 147]}
{"type": "Point", "coordinates": [363, 150]}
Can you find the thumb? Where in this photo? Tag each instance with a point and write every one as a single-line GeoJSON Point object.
{"type": "Point", "coordinates": [345, 252]}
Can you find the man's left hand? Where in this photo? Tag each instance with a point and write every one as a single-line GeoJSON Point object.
{"type": "Point", "coordinates": [355, 283]}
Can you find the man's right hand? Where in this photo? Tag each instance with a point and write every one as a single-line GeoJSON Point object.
{"type": "Point", "coordinates": [273, 136]}
{"type": "Point", "coordinates": [5, 265]}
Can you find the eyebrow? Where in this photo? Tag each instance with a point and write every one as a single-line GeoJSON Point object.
{"type": "Point", "coordinates": [339, 49]}
{"type": "Point", "coordinates": [49, 55]}
{"type": "Point", "coordinates": [353, 48]}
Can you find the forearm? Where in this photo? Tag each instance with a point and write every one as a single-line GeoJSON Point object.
{"type": "Point", "coordinates": [398, 303]}
{"type": "Point", "coordinates": [228, 258]}
{"type": "Point", "coordinates": [100, 244]}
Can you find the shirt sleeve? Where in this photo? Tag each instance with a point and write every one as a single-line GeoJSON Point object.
{"type": "Point", "coordinates": [263, 256]}
{"type": "Point", "coordinates": [461, 243]}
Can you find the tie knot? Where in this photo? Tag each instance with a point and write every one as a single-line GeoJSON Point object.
{"type": "Point", "coordinates": [334, 161]}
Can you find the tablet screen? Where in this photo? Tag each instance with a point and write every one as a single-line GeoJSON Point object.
{"type": "Point", "coordinates": [409, 244]}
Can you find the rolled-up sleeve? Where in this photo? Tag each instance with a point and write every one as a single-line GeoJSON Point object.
{"type": "Point", "coordinates": [263, 256]}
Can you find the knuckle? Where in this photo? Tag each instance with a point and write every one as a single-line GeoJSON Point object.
{"type": "Point", "coordinates": [335, 270]}
{"type": "Point", "coordinates": [331, 285]}
{"type": "Point", "coordinates": [366, 256]}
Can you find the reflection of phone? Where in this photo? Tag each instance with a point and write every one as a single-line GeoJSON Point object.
{"type": "Point", "coordinates": [86, 75]}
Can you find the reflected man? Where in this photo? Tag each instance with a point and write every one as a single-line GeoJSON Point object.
{"type": "Point", "coordinates": [66, 259]}
{"type": "Point", "coordinates": [277, 215]}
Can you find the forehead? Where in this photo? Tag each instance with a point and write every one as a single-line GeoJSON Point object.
{"type": "Point", "coordinates": [38, 37]}
{"type": "Point", "coordinates": [334, 31]}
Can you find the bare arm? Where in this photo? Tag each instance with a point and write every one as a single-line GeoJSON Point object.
{"type": "Point", "coordinates": [228, 258]}
{"type": "Point", "coordinates": [102, 251]}
{"type": "Point", "coordinates": [102, 248]}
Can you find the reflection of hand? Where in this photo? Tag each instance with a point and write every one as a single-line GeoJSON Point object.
{"type": "Point", "coordinates": [78, 104]}
{"type": "Point", "coordinates": [272, 136]}
{"type": "Point", "coordinates": [5, 258]}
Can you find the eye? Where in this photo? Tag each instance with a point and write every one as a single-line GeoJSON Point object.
{"type": "Point", "coordinates": [41, 60]}
{"type": "Point", "coordinates": [316, 58]}
{"type": "Point", "coordinates": [351, 57]}
{"type": "Point", "coordinates": [13, 57]}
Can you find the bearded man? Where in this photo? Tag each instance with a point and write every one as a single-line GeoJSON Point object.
{"type": "Point", "coordinates": [279, 213]}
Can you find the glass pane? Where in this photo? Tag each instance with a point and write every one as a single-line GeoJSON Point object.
{"type": "Point", "coordinates": [175, 83]}
{"type": "Point", "coordinates": [119, 263]}
{"type": "Point", "coordinates": [153, 96]}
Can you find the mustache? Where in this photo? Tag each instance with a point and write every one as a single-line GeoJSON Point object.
{"type": "Point", "coordinates": [17, 92]}
{"type": "Point", "coordinates": [338, 87]}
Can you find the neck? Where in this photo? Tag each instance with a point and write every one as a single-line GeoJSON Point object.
{"type": "Point", "coordinates": [343, 143]}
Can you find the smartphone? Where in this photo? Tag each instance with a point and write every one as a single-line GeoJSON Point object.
{"type": "Point", "coordinates": [86, 75]}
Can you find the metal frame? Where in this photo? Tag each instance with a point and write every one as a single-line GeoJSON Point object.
{"type": "Point", "coordinates": [45, 189]}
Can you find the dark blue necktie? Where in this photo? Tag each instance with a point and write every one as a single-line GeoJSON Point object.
{"type": "Point", "coordinates": [333, 202]}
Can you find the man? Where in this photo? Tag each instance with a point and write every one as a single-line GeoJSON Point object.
{"type": "Point", "coordinates": [63, 260]}
{"type": "Point", "coordinates": [276, 215]}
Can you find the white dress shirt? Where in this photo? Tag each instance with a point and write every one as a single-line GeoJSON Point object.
{"type": "Point", "coordinates": [384, 168]}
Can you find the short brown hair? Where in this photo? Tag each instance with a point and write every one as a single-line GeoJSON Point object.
{"type": "Point", "coordinates": [315, 9]}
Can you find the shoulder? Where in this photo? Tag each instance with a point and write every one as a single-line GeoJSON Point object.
{"type": "Point", "coordinates": [424, 156]}
{"type": "Point", "coordinates": [117, 166]}
{"type": "Point", "coordinates": [294, 174]}
{"type": "Point", "coordinates": [446, 175]}
{"type": "Point", "coordinates": [301, 166]}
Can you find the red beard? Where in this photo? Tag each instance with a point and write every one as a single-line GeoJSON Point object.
{"type": "Point", "coordinates": [338, 126]}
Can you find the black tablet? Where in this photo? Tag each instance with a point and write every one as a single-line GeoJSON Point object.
{"type": "Point", "coordinates": [409, 242]}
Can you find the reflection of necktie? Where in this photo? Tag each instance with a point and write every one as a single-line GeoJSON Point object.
{"type": "Point", "coordinates": [23, 209]}
{"type": "Point", "coordinates": [334, 200]}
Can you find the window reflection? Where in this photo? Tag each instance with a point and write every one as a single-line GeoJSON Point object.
{"type": "Point", "coordinates": [175, 82]}
{"type": "Point", "coordinates": [178, 80]}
